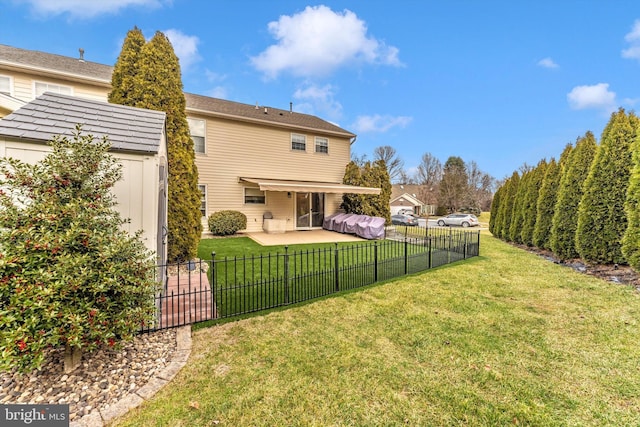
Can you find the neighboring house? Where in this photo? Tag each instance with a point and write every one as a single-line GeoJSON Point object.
{"type": "Point", "coordinates": [411, 196]}
{"type": "Point", "coordinates": [406, 202]}
{"type": "Point", "coordinates": [138, 141]}
{"type": "Point", "coordinates": [255, 159]}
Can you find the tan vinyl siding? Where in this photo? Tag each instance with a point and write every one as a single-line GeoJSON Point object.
{"type": "Point", "coordinates": [136, 192]}
{"type": "Point", "coordinates": [237, 149]}
{"type": "Point", "coordinates": [23, 86]}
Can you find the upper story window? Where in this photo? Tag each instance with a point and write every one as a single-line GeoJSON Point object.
{"type": "Point", "coordinates": [41, 87]}
{"type": "Point", "coordinates": [5, 85]}
{"type": "Point", "coordinates": [198, 131]}
{"type": "Point", "coordinates": [203, 199]}
{"type": "Point", "coordinates": [254, 196]}
{"type": "Point", "coordinates": [298, 142]}
{"type": "Point", "coordinates": [322, 145]}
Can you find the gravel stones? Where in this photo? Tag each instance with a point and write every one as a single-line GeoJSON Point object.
{"type": "Point", "coordinates": [101, 380]}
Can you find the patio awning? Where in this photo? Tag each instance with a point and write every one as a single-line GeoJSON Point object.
{"type": "Point", "coordinates": [308, 186]}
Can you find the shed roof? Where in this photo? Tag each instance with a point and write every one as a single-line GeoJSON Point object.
{"type": "Point", "coordinates": [128, 128]}
{"type": "Point", "coordinates": [75, 69]}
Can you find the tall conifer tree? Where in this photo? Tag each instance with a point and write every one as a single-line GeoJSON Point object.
{"type": "Point", "coordinates": [123, 79]}
{"type": "Point", "coordinates": [547, 200]}
{"type": "Point", "coordinates": [631, 240]}
{"type": "Point", "coordinates": [602, 221]}
{"type": "Point", "coordinates": [565, 212]}
{"type": "Point", "coordinates": [530, 203]}
{"type": "Point", "coordinates": [157, 85]}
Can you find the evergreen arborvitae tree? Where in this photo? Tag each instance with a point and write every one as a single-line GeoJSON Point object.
{"type": "Point", "coordinates": [506, 206]}
{"type": "Point", "coordinates": [530, 203]}
{"type": "Point", "coordinates": [547, 200]}
{"type": "Point", "coordinates": [382, 180]}
{"type": "Point", "coordinates": [565, 213]}
{"type": "Point", "coordinates": [517, 212]}
{"type": "Point", "coordinates": [157, 85]}
{"type": "Point", "coordinates": [123, 79]}
{"type": "Point", "coordinates": [351, 203]}
{"type": "Point", "coordinates": [494, 219]}
{"type": "Point", "coordinates": [602, 220]}
{"type": "Point", "coordinates": [631, 240]}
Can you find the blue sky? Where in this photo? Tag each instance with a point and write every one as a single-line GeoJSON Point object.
{"type": "Point", "coordinates": [501, 83]}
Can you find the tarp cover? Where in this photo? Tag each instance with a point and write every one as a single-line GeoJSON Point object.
{"type": "Point", "coordinates": [367, 227]}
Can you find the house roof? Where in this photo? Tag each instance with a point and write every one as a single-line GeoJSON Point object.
{"type": "Point", "coordinates": [262, 114]}
{"type": "Point", "coordinates": [44, 63]}
{"type": "Point", "coordinates": [400, 189]}
{"type": "Point", "coordinates": [408, 198]}
{"type": "Point", "coordinates": [128, 128]}
{"type": "Point", "coordinates": [76, 69]}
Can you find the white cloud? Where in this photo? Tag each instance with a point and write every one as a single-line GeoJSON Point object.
{"type": "Point", "coordinates": [184, 46]}
{"type": "Point", "coordinates": [218, 92]}
{"type": "Point", "coordinates": [85, 9]}
{"type": "Point", "coordinates": [380, 124]}
{"type": "Point", "coordinates": [633, 38]}
{"type": "Point", "coordinates": [212, 76]}
{"type": "Point", "coordinates": [317, 41]}
{"type": "Point", "coordinates": [595, 96]}
{"type": "Point", "coordinates": [319, 100]}
{"type": "Point", "coordinates": [547, 63]}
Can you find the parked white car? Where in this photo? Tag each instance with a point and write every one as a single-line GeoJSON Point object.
{"type": "Point", "coordinates": [460, 219]}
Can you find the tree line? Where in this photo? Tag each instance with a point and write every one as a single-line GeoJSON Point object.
{"type": "Point", "coordinates": [451, 187]}
{"type": "Point", "coordinates": [583, 205]}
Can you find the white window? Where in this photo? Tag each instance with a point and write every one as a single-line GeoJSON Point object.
{"type": "Point", "coordinates": [254, 196]}
{"type": "Point", "coordinates": [322, 145]}
{"type": "Point", "coordinates": [203, 199]}
{"type": "Point", "coordinates": [198, 132]}
{"type": "Point", "coordinates": [298, 142]}
{"type": "Point", "coordinates": [41, 88]}
{"type": "Point", "coordinates": [5, 85]}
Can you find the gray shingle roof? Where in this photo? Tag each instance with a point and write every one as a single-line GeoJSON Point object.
{"type": "Point", "coordinates": [128, 128]}
{"type": "Point", "coordinates": [11, 57]}
{"type": "Point", "coordinates": [264, 114]}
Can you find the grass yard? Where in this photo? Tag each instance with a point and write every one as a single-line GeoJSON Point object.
{"type": "Point", "coordinates": [506, 338]}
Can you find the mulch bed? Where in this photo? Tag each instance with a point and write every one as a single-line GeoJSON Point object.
{"type": "Point", "coordinates": [621, 274]}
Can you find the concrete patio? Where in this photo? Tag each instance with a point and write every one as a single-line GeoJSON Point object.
{"type": "Point", "coordinates": [302, 237]}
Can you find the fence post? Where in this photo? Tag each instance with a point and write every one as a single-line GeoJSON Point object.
{"type": "Point", "coordinates": [375, 261]}
{"type": "Point", "coordinates": [336, 268]}
{"type": "Point", "coordinates": [406, 254]}
{"type": "Point", "coordinates": [430, 250]}
{"type": "Point", "coordinates": [449, 246]}
{"type": "Point", "coordinates": [213, 286]}
{"type": "Point", "coordinates": [286, 275]}
{"type": "Point", "coordinates": [464, 250]}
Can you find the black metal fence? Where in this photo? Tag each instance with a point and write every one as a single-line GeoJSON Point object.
{"type": "Point", "coordinates": [228, 287]}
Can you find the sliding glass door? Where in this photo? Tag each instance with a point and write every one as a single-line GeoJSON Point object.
{"type": "Point", "coordinates": [309, 210]}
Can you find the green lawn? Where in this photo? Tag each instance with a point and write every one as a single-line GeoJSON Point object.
{"type": "Point", "coordinates": [506, 338]}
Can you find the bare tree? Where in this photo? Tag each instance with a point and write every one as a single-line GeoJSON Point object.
{"type": "Point", "coordinates": [359, 160]}
{"type": "Point", "coordinates": [479, 187]}
{"type": "Point", "coordinates": [394, 164]}
{"type": "Point", "coordinates": [429, 170]}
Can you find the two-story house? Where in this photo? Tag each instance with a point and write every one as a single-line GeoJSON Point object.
{"type": "Point", "coordinates": [251, 158]}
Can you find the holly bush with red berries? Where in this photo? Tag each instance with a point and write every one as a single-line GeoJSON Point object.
{"type": "Point", "coordinates": [69, 275]}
